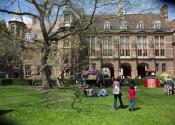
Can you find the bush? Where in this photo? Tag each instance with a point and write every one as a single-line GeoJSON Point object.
{"type": "Point", "coordinates": [6, 81]}
{"type": "Point", "coordinates": [138, 81]}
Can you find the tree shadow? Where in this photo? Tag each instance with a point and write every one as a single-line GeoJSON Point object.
{"type": "Point", "coordinates": [4, 111]}
{"type": "Point", "coordinates": [4, 120]}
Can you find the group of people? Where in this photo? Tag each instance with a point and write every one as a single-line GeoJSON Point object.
{"type": "Point", "coordinates": [116, 87]}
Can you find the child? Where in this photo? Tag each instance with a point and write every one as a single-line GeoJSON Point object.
{"type": "Point", "coordinates": [117, 93]}
{"type": "Point", "coordinates": [131, 93]}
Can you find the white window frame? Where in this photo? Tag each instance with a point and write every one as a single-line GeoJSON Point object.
{"type": "Point", "coordinates": [107, 25]}
{"type": "Point", "coordinates": [92, 45]}
{"type": "Point", "coordinates": [67, 18]}
{"type": "Point", "coordinates": [142, 46]}
{"type": "Point", "coordinates": [124, 25]}
{"type": "Point", "coordinates": [140, 25]}
{"type": "Point", "coordinates": [159, 46]}
{"type": "Point", "coordinates": [107, 46]}
{"type": "Point", "coordinates": [157, 24]}
{"type": "Point", "coordinates": [125, 47]}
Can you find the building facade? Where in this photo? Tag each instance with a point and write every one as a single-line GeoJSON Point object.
{"type": "Point", "coordinates": [128, 44]}
{"type": "Point", "coordinates": [132, 44]}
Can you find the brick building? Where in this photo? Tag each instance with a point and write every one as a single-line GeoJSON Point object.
{"type": "Point", "coordinates": [128, 44]}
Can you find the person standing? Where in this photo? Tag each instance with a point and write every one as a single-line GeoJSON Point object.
{"type": "Point", "coordinates": [117, 92]}
{"type": "Point", "coordinates": [131, 93]}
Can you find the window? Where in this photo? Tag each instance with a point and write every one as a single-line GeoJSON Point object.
{"type": "Point", "coordinates": [156, 25]}
{"type": "Point", "coordinates": [142, 46]}
{"type": "Point", "coordinates": [18, 31]}
{"type": "Point", "coordinates": [163, 67]}
{"type": "Point", "coordinates": [157, 67]}
{"type": "Point", "coordinates": [124, 46]}
{"type": "Point", "coordinates": [140, 25]}
{"type": "Point", "coordinates": [107, 25]}
{"type": "Point", "coordinates": [93, 66]}
{"type": "Point", "coordinates": [28, 70]}
{"type": "Point", "coordinates": [107, 46]}
{"type": "Point", "coordinates": [67, 18]}
{"type": "Point", "coordinates": [29, 36]}
{"type": "Point", "coordinates": [124, 25]}
{"type": "Point", "coordinates": [92, 45]}
{"type": "Point", "coordinates": [159, 46]}
{"type": "Point", "coordinates": [66, 60]}
{"type": "Point", "coordinates": [66, 43]}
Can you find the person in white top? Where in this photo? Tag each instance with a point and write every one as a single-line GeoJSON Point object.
{"type": "Point", "coordinates": [117, 92]}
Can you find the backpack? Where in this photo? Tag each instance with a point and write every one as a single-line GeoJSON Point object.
{"type": "Point", "coordinates": [116, 87]}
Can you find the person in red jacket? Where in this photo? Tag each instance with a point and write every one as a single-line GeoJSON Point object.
{"type": "Point", "coordinates": [131, 93]}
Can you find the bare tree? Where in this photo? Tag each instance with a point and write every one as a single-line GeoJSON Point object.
{"type": "Point", "coordinates": [49, 12]}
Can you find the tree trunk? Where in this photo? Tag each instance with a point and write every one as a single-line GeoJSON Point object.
{"type": "Point", "coordinates": [46, 72]}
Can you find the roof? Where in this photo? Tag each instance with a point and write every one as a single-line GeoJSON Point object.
{"type": "Point", "coordinates": [131, 19]}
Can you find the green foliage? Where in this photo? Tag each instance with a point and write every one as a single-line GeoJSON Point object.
{"type": "Point", "coordinates": [32, 106]}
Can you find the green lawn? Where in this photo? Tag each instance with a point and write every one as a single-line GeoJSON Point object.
{"type": "Point", "coordinates": [35, 107]}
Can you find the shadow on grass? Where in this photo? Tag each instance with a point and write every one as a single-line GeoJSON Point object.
{"type": "Point", "coordinates": [4, 120]}
{"type": "Point", "coordinates": [137, 108]}
{"type": "Point", "coordinates": [4, 111]}
{"type": "Point", "coordinates": [124, 107]}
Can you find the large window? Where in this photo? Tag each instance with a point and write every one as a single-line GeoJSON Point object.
{"type": "Point", "coordinates": [92, 46]}
{"type": "Point", "coordinates": [107, 46]}
{"type": "Point", "coordinates": [142, 46]}
{"type": "Point", "coordinates": [124, 46]}
{"type": "Point", "coordinates": [159, 46]}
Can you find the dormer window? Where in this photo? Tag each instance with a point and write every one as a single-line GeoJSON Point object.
{"type": "Point", "coordinates": [140, 25]}
{"type": "Point", "coordinates": [67, 18]}
{"type": "Point", "coordinates": [107, 25]}
{"type": "Point", "coordinates": [156, 25]}
{"type": "Point", "coordinates": [30, 36]}
{"type": "Point", "coordinates": [124, 25]}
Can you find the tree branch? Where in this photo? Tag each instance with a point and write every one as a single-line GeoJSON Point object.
{"type": "Point", "coordinates": [16, 13]}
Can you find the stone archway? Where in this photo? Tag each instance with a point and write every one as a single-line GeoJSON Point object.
{"type": "Point", "coordinates": [141, 69]}
{"type": "Point", "coordinates": [110, 66]}
{"type": "Point", "coordinates": [126, 69]}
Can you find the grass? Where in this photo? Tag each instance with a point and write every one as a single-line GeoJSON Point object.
{"type": "Point", "coordinates": [35, 107]}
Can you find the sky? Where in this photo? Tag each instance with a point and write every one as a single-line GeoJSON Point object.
{"type": "Point", "coordinates": [7, 17]}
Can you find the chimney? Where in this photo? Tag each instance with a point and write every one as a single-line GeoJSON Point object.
{"type": "Point", "coordinates": [33, 20]}
{"type": "Point", "coordinates": [164, 12]}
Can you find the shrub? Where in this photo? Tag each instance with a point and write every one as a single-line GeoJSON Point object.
{"type": "Point", "coordinates": [6, 81]}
